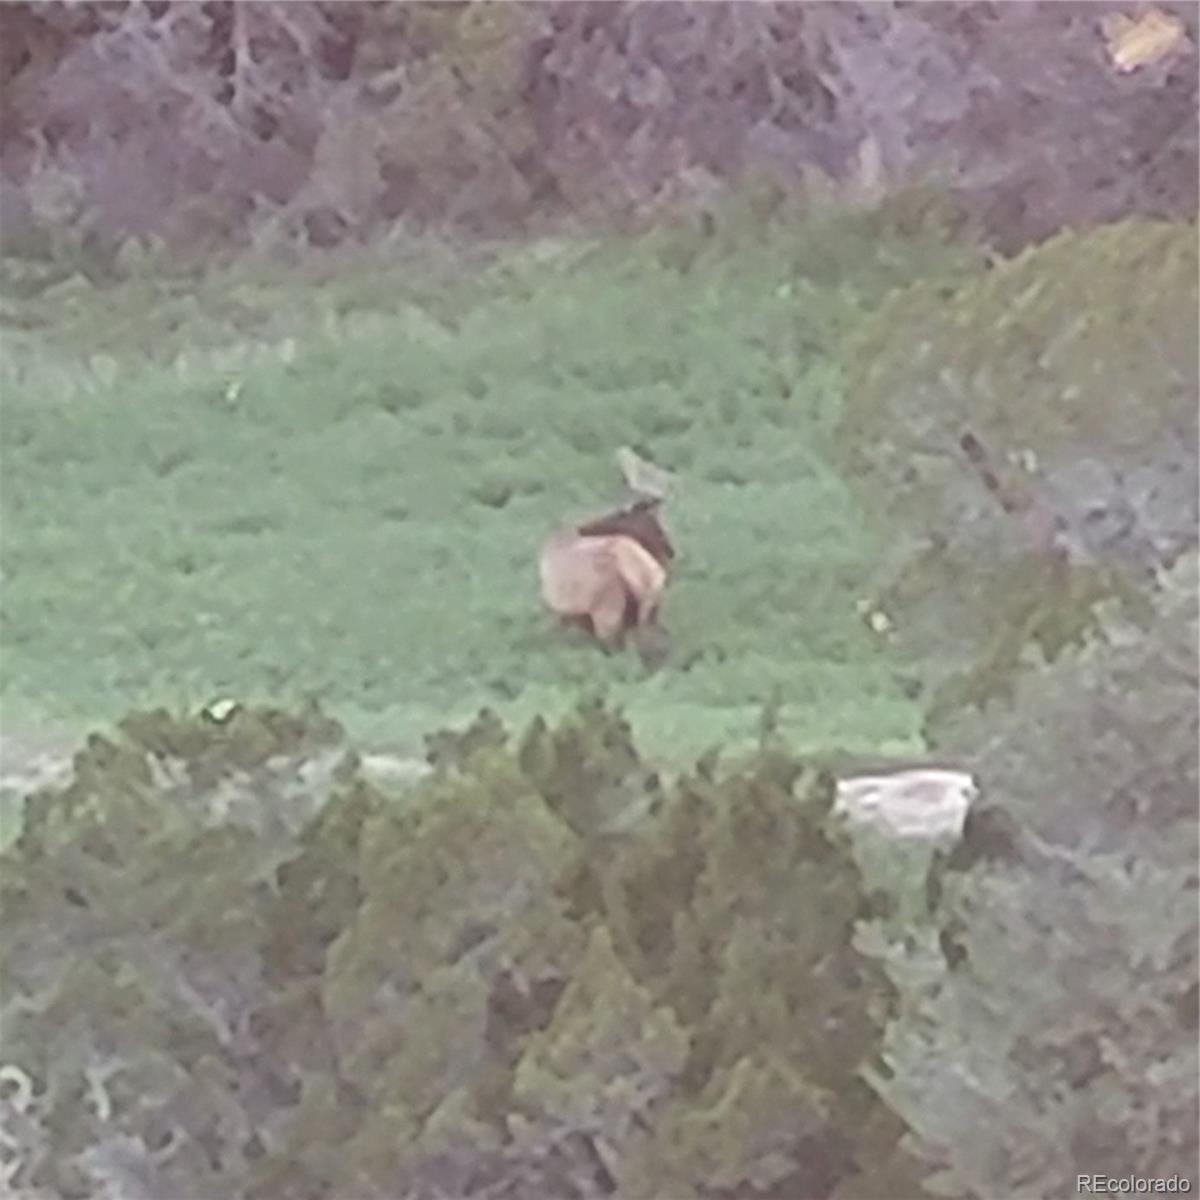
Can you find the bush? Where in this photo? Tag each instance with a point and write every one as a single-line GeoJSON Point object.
{"type": "Point", "coordinates": [542, 971]}
{"type": "Point", "coordinates": [137, 944]}
{"type": "Point", "coordinates": [1085, 406]}
{"type": "Point", "coordinates": [1058, 1036]}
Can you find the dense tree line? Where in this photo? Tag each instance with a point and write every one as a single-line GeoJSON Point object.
{"type": "Point", "coordinates": [221, 123]}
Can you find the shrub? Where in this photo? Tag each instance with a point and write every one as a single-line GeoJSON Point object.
{"type": "Point", "coordinates": [1058, 1036]}
{"type": "Point", "coordinates": [541, 971]}
{"type": "Point", "coordinates": [1084, 403]}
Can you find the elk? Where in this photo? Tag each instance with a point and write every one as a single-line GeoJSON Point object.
{"type": "Point", "coordinates": [607, 576]}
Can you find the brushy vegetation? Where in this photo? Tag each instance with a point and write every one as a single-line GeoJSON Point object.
{"type": "Point", "coordinates": [319, 124]}
{"type": "Point", "coordinates": [1061, 1037]}
{"type": "Point", "coordinates": [346, 500]}
{"type": "Point", "coordinates": [544, 969]}
{"type": "Point", "coordinates": [1086, 404]}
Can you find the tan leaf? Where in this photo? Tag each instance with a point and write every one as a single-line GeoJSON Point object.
{"type": "Point", "coordinates": [1137, 41]}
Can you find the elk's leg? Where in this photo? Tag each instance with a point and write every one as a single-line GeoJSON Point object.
{"type": "Point", "coordinates": [653, 643]}
{"type": "Point", "coordinates": [576, 625]}
{"type": "Point", "coordinates": [608, 613]}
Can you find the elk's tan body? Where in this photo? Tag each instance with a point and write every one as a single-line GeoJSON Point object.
{"type": "Point", "coordinates": [608, 582]}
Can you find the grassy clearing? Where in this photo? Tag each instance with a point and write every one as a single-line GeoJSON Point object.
{"type": "Point", "coordinates": [343, 494]}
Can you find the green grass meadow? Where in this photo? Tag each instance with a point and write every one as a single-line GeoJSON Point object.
{"type": "Point", "coordinates": [287, 484]}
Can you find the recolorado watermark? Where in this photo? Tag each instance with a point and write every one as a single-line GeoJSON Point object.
{"type": "Point", "coordinates": [1132, 1185]}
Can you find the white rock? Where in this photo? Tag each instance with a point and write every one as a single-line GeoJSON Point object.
{"type": "Point", "coordinates": [386, 770]}
{"type": "Point", "coordinates": [922, 802]}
